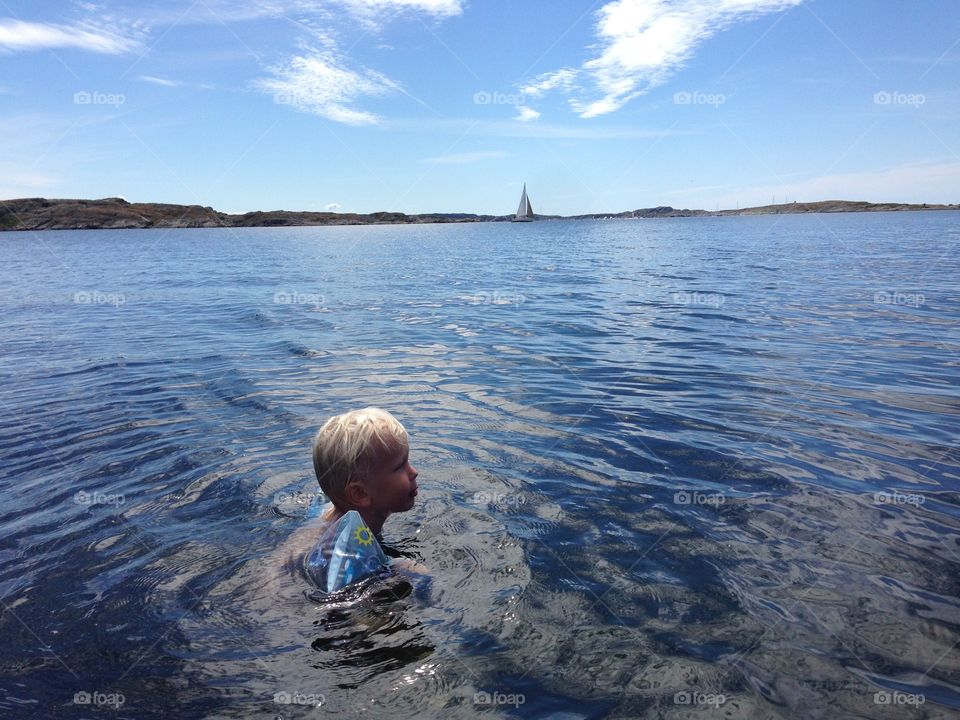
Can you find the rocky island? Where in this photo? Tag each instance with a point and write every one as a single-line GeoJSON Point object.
{"type": "Point", "coordinates": [117, 213]}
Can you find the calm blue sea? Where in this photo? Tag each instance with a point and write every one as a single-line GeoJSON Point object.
{"type": "Point", "coordinates": [677, 467]}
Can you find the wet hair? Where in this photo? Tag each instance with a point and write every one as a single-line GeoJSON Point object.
{"type": "Point", "coordinates": [346, 446]}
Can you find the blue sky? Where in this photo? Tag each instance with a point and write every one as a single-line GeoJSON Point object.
{"type": "Point", "coordinates": [449, 105]}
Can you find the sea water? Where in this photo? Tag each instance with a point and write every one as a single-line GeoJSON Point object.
{"type": "Point", "coordinates": [664, 464]}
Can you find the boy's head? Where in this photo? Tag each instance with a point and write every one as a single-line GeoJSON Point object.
{"type": "Point", "coordinates": [361, 459]}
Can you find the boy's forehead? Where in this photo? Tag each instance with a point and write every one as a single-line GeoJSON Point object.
{"type": "Point", "coordinates": [389, 447]}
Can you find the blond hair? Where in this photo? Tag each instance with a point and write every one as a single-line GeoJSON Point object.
{"type": "Point", "coordinates": [346, 446]}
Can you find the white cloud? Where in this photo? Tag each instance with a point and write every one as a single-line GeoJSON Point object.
{"type": "Point", "coordinates": [562, 79]}
{"type": "Point", "coordinates": [320, 84]}
{"type": "Point", "coordinates": [643, 42]}
{"type": "Point", "coordinates": [526, 114]}
{"type": "Point", "coordinates": [464, 158]}
{"type": "Point", "coordinates": [161, 81]}
{"type": "Point", "coordinates": [16, 35]}
{"type": "Point", "coordinates": [332, 207]}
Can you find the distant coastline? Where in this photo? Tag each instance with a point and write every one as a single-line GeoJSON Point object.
{"type": "Point", "coordinates": [116, 213]}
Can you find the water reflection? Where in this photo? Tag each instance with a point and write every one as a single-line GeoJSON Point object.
{"type": "Point", "coordinates": [652, 484]}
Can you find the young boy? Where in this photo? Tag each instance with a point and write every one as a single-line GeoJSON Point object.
{"type": "Point", "coordinates": [362, 462]}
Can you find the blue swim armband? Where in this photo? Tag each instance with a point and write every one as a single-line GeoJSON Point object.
{"type": "Point", "coordinates": [348, 551]}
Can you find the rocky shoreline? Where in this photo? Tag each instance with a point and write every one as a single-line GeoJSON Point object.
{"type": "Point", "coordinates": [116, 213]}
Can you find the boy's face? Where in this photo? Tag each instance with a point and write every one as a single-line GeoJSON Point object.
{"type": "Point", "coordinates": [392, 481]}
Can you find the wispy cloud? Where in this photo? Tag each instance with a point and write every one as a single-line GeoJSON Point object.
{"type": "Point", "coordinates": [29, 164]}
{"type": "Point", "coordinates": [320, 83]}
{"type": "Point", "coordinates": [464, 158]}
{"type": "Point", "coordinates": [931, 183]}
{"type": "Point", "coordinates": [168, 83]}
{"type": "Point", "coordinates": [370, 11]}
{"type": "Point", "coordinates": [563, 79]}
{"type": "Point", "coordinates": [642, 43]}
{"type": "Point", "coordinates": [161, 81]}
{"type": "Point", "coordinates": [509, 128]}
{"type": "Point", "coordinates": [19, 36]}
{"type": "Point", "coordinates": [439, 8]}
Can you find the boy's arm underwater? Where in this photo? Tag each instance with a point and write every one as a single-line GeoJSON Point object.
{"type": "Point", "coordinates": [409, 565]}
{"type": "Point", "coordinates": [287, 559]}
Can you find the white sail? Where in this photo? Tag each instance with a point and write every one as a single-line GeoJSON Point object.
{"type": "Point", "coordinates": [525, 210]}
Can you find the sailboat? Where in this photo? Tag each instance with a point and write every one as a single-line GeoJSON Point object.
{"type": "Point", "coordinates": [525, 211]}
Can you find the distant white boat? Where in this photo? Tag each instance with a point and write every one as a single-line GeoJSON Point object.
{"type": "Point", "coordinates": [525, 211]}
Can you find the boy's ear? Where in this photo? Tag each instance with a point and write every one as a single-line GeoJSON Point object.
{"type": "Point", "coordinates": [356, 494]}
